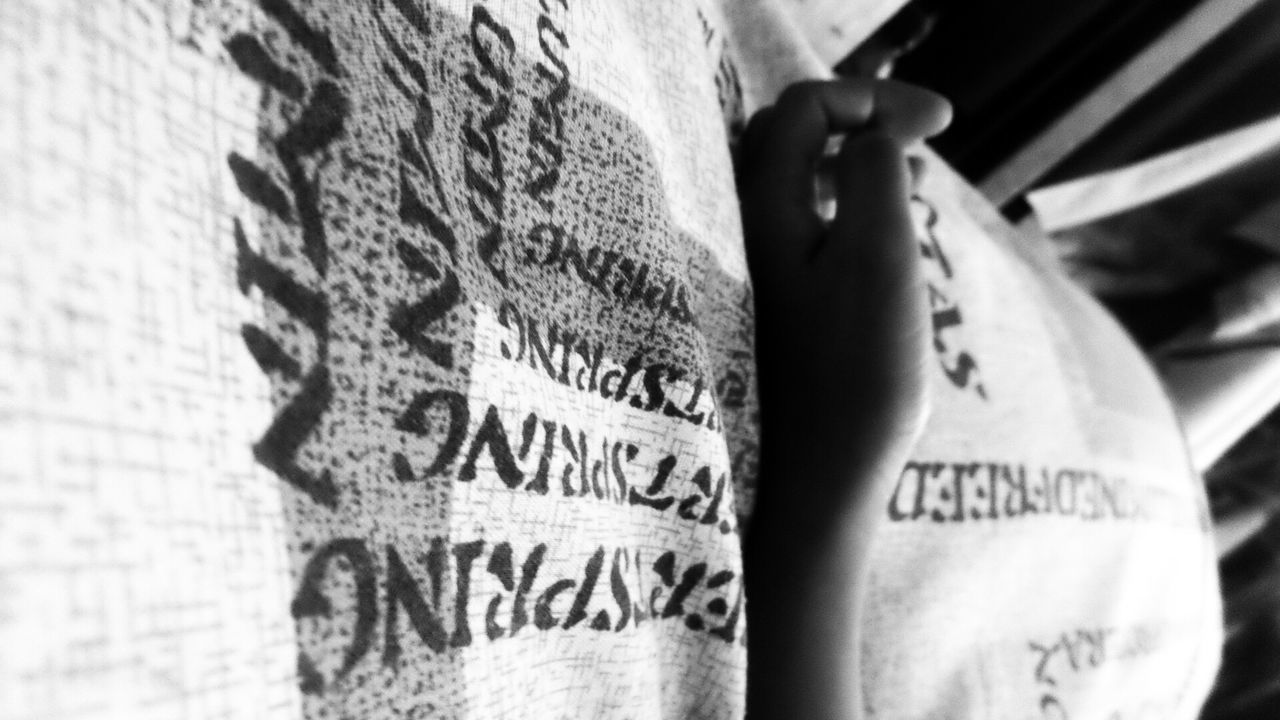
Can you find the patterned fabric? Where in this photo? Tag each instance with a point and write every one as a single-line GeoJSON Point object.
{"type": "Point", "coordinates": [1047, 551]}
{"type": "Point", "coordinates": [394, 359]}
{"type": "Point", "coordinates": [509, 337]}
{"type": "Point", "coordinates": [487, 261]}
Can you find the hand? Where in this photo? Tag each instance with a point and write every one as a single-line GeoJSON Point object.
{"type": "Point", "coordinates": [841, 322]}
{"type": "Point", "coordinates": [841, 332]}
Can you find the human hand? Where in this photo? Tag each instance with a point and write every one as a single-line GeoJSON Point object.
{"type": "Point", "coordinates": [841, 323]}
{"type": "Point", "coordinates": [841, 332]}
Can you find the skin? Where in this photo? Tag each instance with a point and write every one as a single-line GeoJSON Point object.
{"type": "Point", "coordinates": [841, 328]}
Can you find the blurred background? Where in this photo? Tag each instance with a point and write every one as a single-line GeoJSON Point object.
{"type": "Point", "coordinates": [1137, 142]}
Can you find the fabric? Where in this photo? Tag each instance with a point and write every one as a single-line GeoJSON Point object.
{"type": "Point", "coordinates": [486, 259]}
{"type": "Point", "coordinates": [394, 360]}
{"type": "Point", "coordinates": [1047, 551]}
{"type": "Point", "coordinates": [1048, 548]}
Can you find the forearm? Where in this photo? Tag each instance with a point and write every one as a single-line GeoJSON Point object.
{"type": "Point", "coordinates": [841, 345]}
{"type": "Point", "coordinates": [807, 567]}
